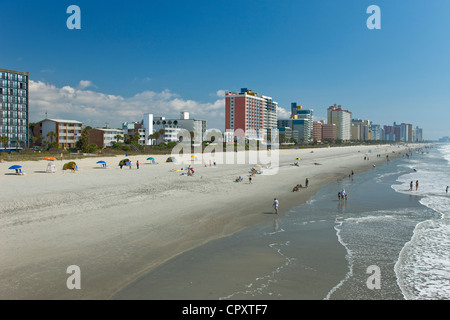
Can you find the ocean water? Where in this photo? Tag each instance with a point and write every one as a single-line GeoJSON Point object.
{"type": "Point", "coordinates": [328, 248]}
{"type": "Point", "coordinates": [423, 267]}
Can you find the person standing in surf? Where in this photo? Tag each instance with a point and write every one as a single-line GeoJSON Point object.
{"type": "Point", "coordinates": [275, 205]}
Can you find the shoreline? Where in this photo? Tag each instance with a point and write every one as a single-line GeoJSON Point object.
{"type": "Point", "coordinates": [204, 210]}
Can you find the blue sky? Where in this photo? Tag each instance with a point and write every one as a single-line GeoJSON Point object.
{"type": "Point", "coordinates": [132, 57]}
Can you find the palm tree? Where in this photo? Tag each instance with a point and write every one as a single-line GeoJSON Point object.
{"type": "Point", "coordinates": [51, 135]}
{"type": "Point", "coordinates": [161, 133]}
{"type": "Point", "coordinates": [153, 136]}
{"type": "Point", "coordinates": [118, 137]}
{"type": "Point", "coordinates": [156, 136]}
{"type": "Point", "coordinates": [4, 140]}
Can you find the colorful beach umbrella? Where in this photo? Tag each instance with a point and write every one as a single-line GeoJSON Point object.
{"type": "Point", "coordinates": [15, 167]}
{"type": "Point", "coordinates": [150, 158]}
{"type": "Point", "coordinates": [101, 161]}
{"type": "Point", "coordinates": [50, 158]}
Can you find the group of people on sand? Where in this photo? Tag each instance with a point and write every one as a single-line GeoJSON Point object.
{"type": "Point", "coordinates": [299, 186]}
{"type": "Point", "coordinates": [342, 195]}
{"type": "Point", "coordinates": [129, 164]}
{"type": "Point", "coordinates": [253, 171]}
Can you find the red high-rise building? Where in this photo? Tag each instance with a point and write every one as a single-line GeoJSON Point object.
{"type": "Point", "coordinates": [249, 112]}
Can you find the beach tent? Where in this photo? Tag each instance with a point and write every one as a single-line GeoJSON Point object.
{"type": "Point", "coordinates": [125, 162]}
{"type": "Point", "coordinates": [70, 166]}
{"type": "Point", "coordinates": [103, 163]}
{"type": "Point", "coordinates": [298, 159]}
{"type": "Point", "coordinates": [171, 159]}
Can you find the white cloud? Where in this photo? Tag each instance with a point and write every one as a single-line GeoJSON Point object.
{"type": "Point", "coordinates": [283, 113]}
{"type": "Point", "coordinates": [96, 108]}
{"type": "Point", "coordinates": [85, 84]}
{"type": "Point", "coordinates": [221, 93]}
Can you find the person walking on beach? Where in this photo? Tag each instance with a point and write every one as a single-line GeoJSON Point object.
{"type": "Point", "coordinates": [446, 190]}
{"type": "Point", "coordinates": [306, 183]}
{"type": "Point", "coordinates": [137, 164]}
{"type": "Point", "coordinates": [417, 184]}
{"type": "Point", "coordinates": [410, 186]}
{"type": "Point", "coordinates": [250, 179]}
{"type": "Point", "coordinates": [275, 205]}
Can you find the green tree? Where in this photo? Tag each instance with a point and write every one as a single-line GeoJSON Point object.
{"type": "Point", "coordinates": [135, 137]}
{"type": "Point", "coordinates": [161, 134]}
{"type": "Point", "coordinates": [4, 140]}
{"type": "Point", "coordinates": [154, 136]}
{"type": "Point", "coordinates": [83, 142]}
{"type": "Point", "coordinates": [51, 135]}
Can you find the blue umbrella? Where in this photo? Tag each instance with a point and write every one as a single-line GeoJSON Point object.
{"type": "Point", "coordinates": [15, 167]}
{"type": "Point", "coordinates": [101, 162]}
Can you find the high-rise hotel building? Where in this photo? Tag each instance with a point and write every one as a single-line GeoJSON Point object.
{"type": "Point", "coordinates": [14, 108]}
{"type": "Point", "coordinates": [255, 115]}
{"type": "Point", "coordinates": [343, 121]}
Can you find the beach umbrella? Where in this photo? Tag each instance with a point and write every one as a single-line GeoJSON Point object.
{"type": "Point", "coordinates": [103, 163]}
{"type": "Point", "coordinates": [151, 158]}
{"type": "Point", "coordinates": [50, 158]}
{"type": "Point", "coordinates": [15, 167]}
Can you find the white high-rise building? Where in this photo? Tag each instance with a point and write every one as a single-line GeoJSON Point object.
{"type": "Point", "coordinates": [148, 126]}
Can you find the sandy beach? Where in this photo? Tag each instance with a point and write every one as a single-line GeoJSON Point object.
{"type": "Point", "coordinates": [118, 224]}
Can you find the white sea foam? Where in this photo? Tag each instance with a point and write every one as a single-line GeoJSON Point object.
{"type": "Point", "coordinates": [348, 257]}
{"type": "Point", "coordinates": [423, 267]}
{"type": "Point", "coordinates": [380, 177]}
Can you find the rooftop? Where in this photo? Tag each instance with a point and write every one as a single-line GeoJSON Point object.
{"type": "Point", "coordinates": [61, 121]}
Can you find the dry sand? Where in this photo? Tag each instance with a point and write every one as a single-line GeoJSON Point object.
{"type": "Point", "coordinates": [117, 224]}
